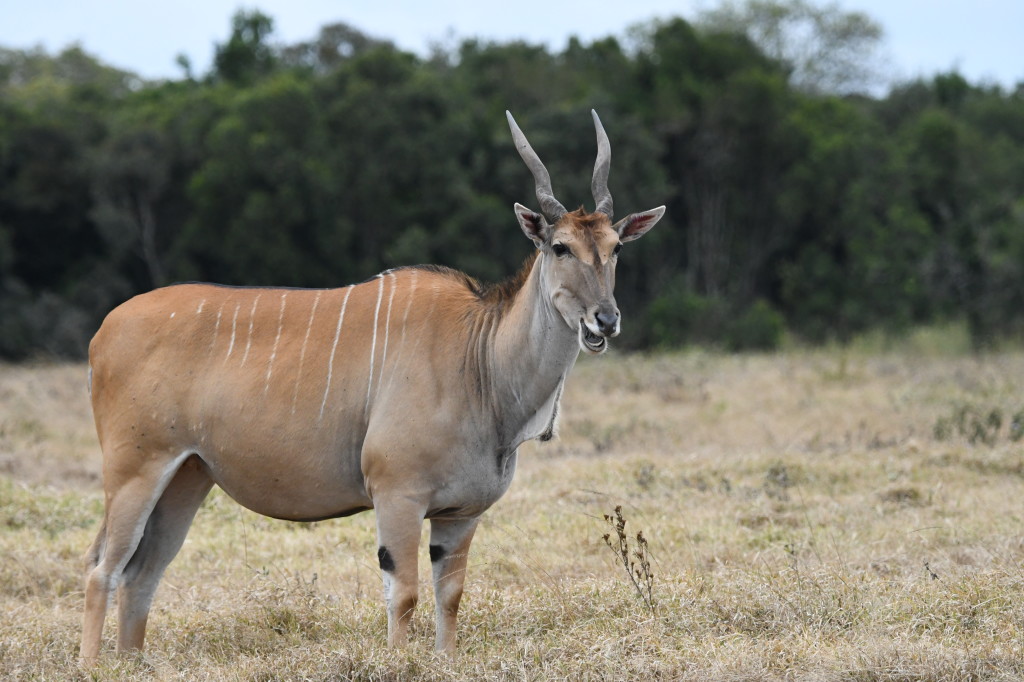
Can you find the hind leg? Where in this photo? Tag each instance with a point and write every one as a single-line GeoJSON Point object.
{"type": "Point", "coordinates": [128, 507]}
{"type": "Point", "coordinates": [164, 534]}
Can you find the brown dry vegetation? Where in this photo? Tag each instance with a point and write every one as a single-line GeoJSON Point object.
{"type": "Point", "coordinates": [810, 515]}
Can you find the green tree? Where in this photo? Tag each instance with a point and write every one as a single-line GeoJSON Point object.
{"type": "Point", "coordinates": [246, 56]}
{"type": "Point", "coordinates": [855, 252]}
{"type": "Point", "coordinates": [131, 173]}
{"type": "Point", "coordinates": [323, 162]}
{"type": "Point", "coordinates": [335, 44]}
{"type": "Point", "coordinates": [826, 49]}
{"type": "Point", "coordinates": [260, 188]}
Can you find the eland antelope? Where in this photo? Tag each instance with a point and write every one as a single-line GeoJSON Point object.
{"type": "Point", "coordinates": [408, 394]}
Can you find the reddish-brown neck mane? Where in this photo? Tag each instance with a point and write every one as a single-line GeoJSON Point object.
{"type": "Point", "coordinates": [502, 294]}
{"type": "Point", "coordinates": [494, 295]}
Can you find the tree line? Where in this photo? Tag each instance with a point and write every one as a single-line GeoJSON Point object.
{"type": "Point", "coordinates": [813, 210]}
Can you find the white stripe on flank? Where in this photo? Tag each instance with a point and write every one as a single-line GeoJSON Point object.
{"type": "Point", "coordinates": [405, 319]}
{"type": "Point", "coordinates": [302, 354]}
{"type": "Point", "coordinates": [252, 318]}
{"type": "Point", "coordinates": [234, 322]}
{"type": "Point", "coordinates": [373, 345]}
{"type": "Point", "coordinates": [412, 288]}
{"type": "Point", "coordinates": [330, 363]}
{"type": "Point", "coordinates": [387, 329]}
{"type": "Point", "coordinates": [216, 328]}
{"type": "Point", "coordinates": [277, 339]}
{"type": "Point", "coordinates": [427, 314]}
{"type": "Point", "coordinates": [199, 310]}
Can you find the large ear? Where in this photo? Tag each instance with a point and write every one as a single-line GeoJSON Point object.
{"type": "Point", "coordinates": [534, 225]}
{"type": "Point", "coordinates": [635, 225]}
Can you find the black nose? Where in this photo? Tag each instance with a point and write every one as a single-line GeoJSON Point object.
{"type": "Point", "coordinates": [607, 320]}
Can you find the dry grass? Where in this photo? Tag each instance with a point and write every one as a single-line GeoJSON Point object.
{"type": "Point", "coordinates": [806, 519]}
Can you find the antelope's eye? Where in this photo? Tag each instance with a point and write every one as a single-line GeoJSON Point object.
{"type": "Point", "coordinates": [560, 250]}
{"type": "Point", "coordinates": [618, 247]}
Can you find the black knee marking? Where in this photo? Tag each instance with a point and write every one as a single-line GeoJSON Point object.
{"type": "Point", "coordinates": [436, 553]}
{"type": "Point", "coordinates": [386, 562]}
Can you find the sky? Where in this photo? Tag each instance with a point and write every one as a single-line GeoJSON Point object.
{"type": "Point", "coordinates": [982, 39]}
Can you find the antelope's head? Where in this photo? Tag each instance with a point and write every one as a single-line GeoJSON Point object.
{"type": "Point", "coordinates": [579, 250]}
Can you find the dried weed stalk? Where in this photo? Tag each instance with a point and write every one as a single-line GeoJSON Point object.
{"type": "Point", "coordinates": [639, 571]}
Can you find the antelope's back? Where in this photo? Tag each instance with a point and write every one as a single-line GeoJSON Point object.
{"type": "Point", "coordinates": [258, 368]}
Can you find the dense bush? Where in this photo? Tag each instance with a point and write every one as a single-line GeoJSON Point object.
{"type": "Point", "coordinates": [759, 327]}
{"type": "Point", "coordinates": [682, 319]}
{"type": "Point", "coordinates": [322, 163]}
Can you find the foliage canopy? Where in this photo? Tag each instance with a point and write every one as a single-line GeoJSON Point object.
{"type": "Point", "coordinates": [318, 164]}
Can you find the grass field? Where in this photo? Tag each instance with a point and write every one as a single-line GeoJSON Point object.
{"type": "Point", "coordinates": [810, 515]}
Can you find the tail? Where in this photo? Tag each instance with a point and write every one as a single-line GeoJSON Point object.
{"type": "Point", "coordinates": [95, 553]}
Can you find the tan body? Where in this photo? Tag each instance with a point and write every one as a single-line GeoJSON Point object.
{"type": "Point", "coordinates": [309, 414]}
{"type": "Point", "coordinates": [408, 394]}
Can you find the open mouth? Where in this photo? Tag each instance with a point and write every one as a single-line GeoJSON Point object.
{"type": "Point", "coordinates": [591, 342]}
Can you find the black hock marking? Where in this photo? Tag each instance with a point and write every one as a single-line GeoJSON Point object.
{"type": "Point", "coordinates": [436, 553]}
{"type": "Point", "coordinates": [386, 562]}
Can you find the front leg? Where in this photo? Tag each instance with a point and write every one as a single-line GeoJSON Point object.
{"type": "Point", "coordinates": [449, 552]}
{"type": "Point", "coordinates": [398, 537]}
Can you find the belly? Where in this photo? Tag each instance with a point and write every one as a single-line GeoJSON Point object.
{"type": "Point", "coordinates": [298, 484]}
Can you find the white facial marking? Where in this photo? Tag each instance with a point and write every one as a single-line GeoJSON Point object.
{"type": "Point", "coordinates": [302, 353]}
{"type": "Point", "coordinates": [330, 363]}
{"type": "Point", "coordinates": [234, 323]}
{"type": "Point", "coordinates": [277, 339]}
{"type": "Point", "coordinates": [252, 319]}
{"type": "Point", "coordinates": [373, 345]}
